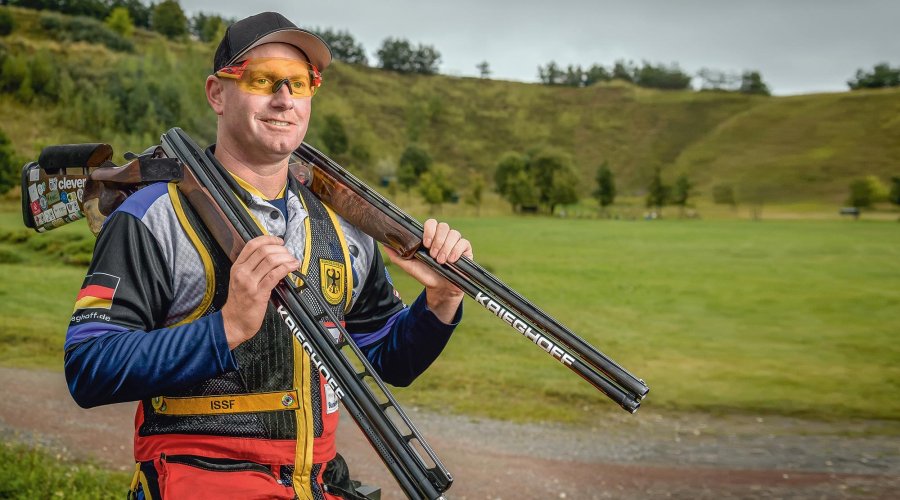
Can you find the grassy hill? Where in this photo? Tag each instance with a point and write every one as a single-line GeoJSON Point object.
{"type": "Point", "coordinates": [787, 149]}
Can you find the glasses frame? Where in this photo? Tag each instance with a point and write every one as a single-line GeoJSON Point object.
{"type": "Point", "coordinates": [236, 72]}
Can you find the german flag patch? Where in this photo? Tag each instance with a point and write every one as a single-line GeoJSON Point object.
{"type": "Point", "coordinates": [98, 291]}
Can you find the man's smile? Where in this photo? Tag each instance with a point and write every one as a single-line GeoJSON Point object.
{"type": "Point", "coordinates": [277, 123]}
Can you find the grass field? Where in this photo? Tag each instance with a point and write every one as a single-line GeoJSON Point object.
{"type": "Point", "coordinates": [29, 473]}
{"type": "Point", "coordinates": [785, 317]}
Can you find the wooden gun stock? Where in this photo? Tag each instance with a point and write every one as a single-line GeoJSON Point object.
{"type": "Point", "coordinates": [357, 211]}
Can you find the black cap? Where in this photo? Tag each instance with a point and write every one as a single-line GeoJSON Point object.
{"type": "Point", "coordinates": [269, 27]}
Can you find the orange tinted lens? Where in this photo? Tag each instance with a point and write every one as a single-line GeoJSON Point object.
{"type": "Point", "coordinates": [261, 76]}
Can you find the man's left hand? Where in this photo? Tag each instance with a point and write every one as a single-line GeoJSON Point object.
{"type": "Point", "coordinates": [445, 245]}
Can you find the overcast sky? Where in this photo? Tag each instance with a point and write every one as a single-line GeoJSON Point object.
{"type": "Point", "coordinates": [800, 46]}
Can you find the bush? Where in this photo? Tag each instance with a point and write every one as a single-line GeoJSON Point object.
{"type": "Point", "coordinates": [9, 257]}
{"type": "Point", "coordinates": [44, 75]}
{"type": "Point", "coordinates": [334, 135]}
{"type": "Point", "coordinates": [860, 194]}
{"type": "Point", "coordinates": [7, 23]}
{"type": "Point", "coordinates": [9, 164]}
{"type": "Point", "coordinates": [83, 29]}
{"type": "Point", "coordinates": [414, 162]}
{"type": "Point", "coordinates": [13, 73]}
{"type": "Point", "coordinates": [120, 21]}
{"type": "Point", "coordinates": [16, 236]}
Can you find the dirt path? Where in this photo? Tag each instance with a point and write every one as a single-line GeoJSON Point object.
{"type": "Point", "coordinates": [644, 456]}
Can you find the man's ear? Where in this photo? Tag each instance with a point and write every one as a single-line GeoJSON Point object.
{"type": "Point", "coordinates": [214, 94]}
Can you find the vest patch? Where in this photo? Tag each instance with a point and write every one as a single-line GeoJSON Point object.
{"type": "Point", "coordinates": [331, 400]}
{"type": "Point", "coordinates": [333, 278]}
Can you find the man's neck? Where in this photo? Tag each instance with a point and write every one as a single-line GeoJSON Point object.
{"type": "Point", "coordinates": [268, 179]}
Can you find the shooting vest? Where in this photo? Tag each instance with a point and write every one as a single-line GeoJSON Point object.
{"type": "Point", "coordinates": [275, 409]}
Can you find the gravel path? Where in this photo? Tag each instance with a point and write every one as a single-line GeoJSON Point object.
{"type": "Point", "coordinates": [648, 455]}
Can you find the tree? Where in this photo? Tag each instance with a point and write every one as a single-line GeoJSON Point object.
{"type": "Point", "coordinates": [657, 192]}
{"type": "Point", "coordinates": [396, 54]}
{"type": "Point", "coordinates": [860, 194]}
{"type": "Point", "coordinates": [522, 191]}
{"type": "Point", "coordinates": [661, 77]}
{"type": "Point", "coordinates": [551, 170]}
{"type": "Point", "coordinates": [596, 73]}
{"type": "Point", "coordinates": [606, 186]}
{"type": "Point", "coordinates": [475, 191]}
{"type": "Point", "coordinates": [574, 76]}
{"type": "Point", "coordinates": [878, 188]}
{"type": "Point", "coordinates": [544, 166]}
{"type": "Point", "coordinates": [414, 162]}
{"type": "Point", "coordinates": [682, 191]}
{"type": "Point", "coordinates": [894, 195]}
{"type": "Point", "coordinates": [140, 13]}
{"type": "Point", "coordinates": [207, 26]}
{"type": "Point", "coordinates": [509, 166]}
{"type": "Point", "coordinates": [562, 188]}
{"type": "Point", "coordinates": [344, 47]}
{"type": "Point", "coordinates": [752, 83]}
{"type": "Point", "coordinates": [435, 187]}
{"type": "Point", "coordinates": [513, 182]}
{"type": "Point", "coordinates": [426, 60]}
{"type": "Point", "coordinates": [334, 135]}
{"type": "Point", "coordinates": [711, 79]}
{"type": "Point", "coordinates": [882, 75]}
{"type": "Point", "coordinates": [624, 71]}
{"type": "Point", "coordinates": [169, 20]}
{"type": "Point", "coordinates": [119, 20]}
{"type": "Point", "coordinates": [399, 55]}
{"type": "Point", "coordinates": [484, 69]}
{"type": "Point", "coordinates": [551, 75]}
{"type": "Point", "coordinates": [755, 192]}
{"type": "Point", "coordinates": [547, 177]}
{"type": "Point", "coordinates": [430, 190]}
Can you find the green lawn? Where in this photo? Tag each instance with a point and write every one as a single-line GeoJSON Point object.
{"type": "Point", "coordinates": [785, 317]}
{"type": "Point", "coordinates": [29, 473]}
{"type": "Point", "coordinates": [781, 317]}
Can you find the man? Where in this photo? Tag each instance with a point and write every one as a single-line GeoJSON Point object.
{"type": "Point", "coordinates": [230, 406]}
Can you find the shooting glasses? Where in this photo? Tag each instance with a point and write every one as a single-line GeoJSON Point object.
{"type": "Point", "coordinates": [266, 76]}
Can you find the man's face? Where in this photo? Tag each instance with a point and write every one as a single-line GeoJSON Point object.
{"type": "Point", "coordinates": [261, 128]}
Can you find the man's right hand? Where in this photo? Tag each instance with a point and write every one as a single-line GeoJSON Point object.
{"type": "Point", "coordinates": [262, 263]}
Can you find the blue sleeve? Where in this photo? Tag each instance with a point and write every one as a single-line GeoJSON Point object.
{"type": "Point", "coordinates": [408, 342]}
{"type": "Point", "coordinates": [118, 347]}
{"type": "Point", "coordinates": [128, 365]}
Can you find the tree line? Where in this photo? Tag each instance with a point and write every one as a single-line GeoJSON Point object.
{"type": "Point", "coordinates": [649, 75]}
{"type": "Point", "coordinates": [547, 178]}
{"type": "Point", "coordinates": [882, 75]}
{"type": "Point", "coordinates": [168, 18]}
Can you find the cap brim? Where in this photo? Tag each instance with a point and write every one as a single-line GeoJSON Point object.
{"type": "Point", "coordinates": [314, 47]}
